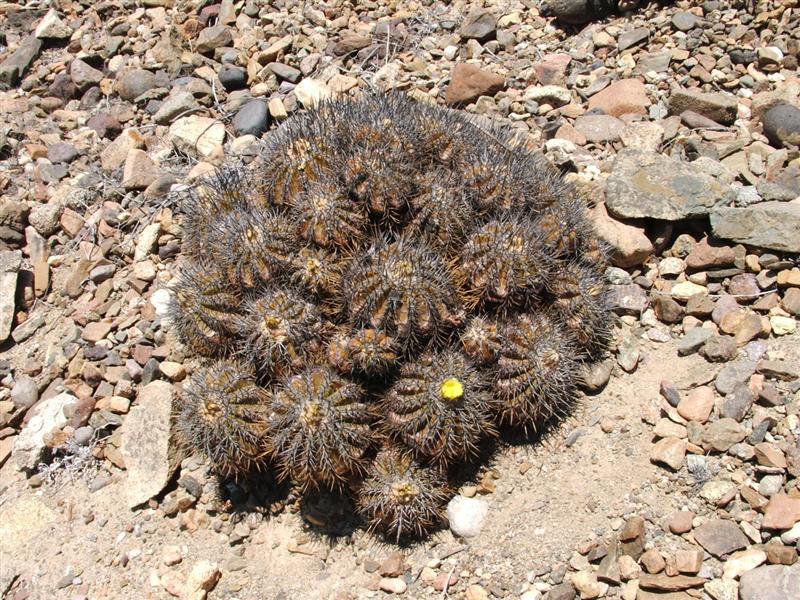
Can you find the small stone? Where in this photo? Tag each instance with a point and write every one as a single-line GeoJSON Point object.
{"type": "Point", "coordinates": [697, 405]}
{"type": "Point", "coordinates": [139, 172]}
{"type": "Point", "coordinates": [25, 392]}
{"type": "Point", "coordinates": [782, 125]}
{"type": "Point", "coordinates": [588, 587]}
{"type": "Point", "coordinates": [252, 118]}
{"type": "Point", "coordinates": [171, 555]}
{"type": "Point", "coordinates": [211, 38]}
{"type": "Point", "coordinates": [551, 95]}
{"type": "Point", "coordinates": [479, 25]}
{"type": "Point", "coordinates": [771, 582]}
{"type": "Point", "coordinates": [147, 241]}
{"type": "Point", "coordinates": [741, 562]}
{"type": "Point", "coordinates": [634, 37]}
{"type": "Point", "coordinates": [684, 21]}
{"type": "Point", "coordinates": [197, 136]}
{"type": "Point", "coordinates": [627, 299]}
{"type": "Point", "coordinates": [722, 589]}
{"type": "Point", "coordinates": [694, 340]}
{"type": "Point", "coordinates": [467, 516]}
{"type": "Point", "coordinates": [720, 537]}
{"type": "Point", "coordinates": [96, 331]}
{"type": "Point", "coordinates": [689, 561]}
{"type": "Point", "coordinates": [83, 75]}
{"type": "Point", "coordinates": [173, 371]}
{"type": "Point", "coordinates": [595, 375]}
{"type": "Point", "coordinates": [62, 152]}
{"type": "Point", "coordinates": [717, 106]}
{"type": "Point", "coordinates": [52, 27]}
{"type": "Point", "coordinates": [680, 522]}
{"type": "Point", "coordinates": [630, 245]}
{"type": "Point", "coordinates": [475, 592]}
{"type": "Point", "coordinates": [719, 348]}
{"type": "Point", "coordinates": [669, 451]}
{"type": "Point", "coordinates": [50, 415]}
{"type": "Point", "coordinates": [738, 403]}
{"type": "Point", "coordinates": [718, 493]}
{"type": "Point", "coordinates": [769, 456]}
{"type": "Point", "coordinates": [733, 374]}
{"type": "Point", "coordinates": [132, 83]}
{"type": "Point", "coordinates": [686, 289]}
{"type": "Point", "coordinates": [721, 435]}
{"type": "Point", "coordinates": [310, 92]}
{"type": "Point", "coordinates": [175, 105]}
{"type": "Point", "coordinates": [599, 129]}
{"type": "Point", "coordinates": [626, 96]}
{"type": "Point", "coordinates": [779, 369]}
{"type": "Point", "coordinates": [114, 155]}
{"type": "Point", "coordinates": [782, 325]}
{"type": "Point", "coordinates": [234, 78]}
{"type": "Point", "coordinates": [202, 579]}
{"type": "Point", "coordinates": [393, 585]}
{"type": "Point", "coordinates": [771, 225]}
{"type": "Point", "coordinates": [469, 82]}
{"type": "Point", "coordinates": [782, 512]}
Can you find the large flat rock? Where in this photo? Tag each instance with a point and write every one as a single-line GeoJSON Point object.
{"type": "Point", "coordinates": [647, 184]}
{"type": "Point", "coordinates": [772, 225]}
{"type": "Point", "coordinates": [146, 443]}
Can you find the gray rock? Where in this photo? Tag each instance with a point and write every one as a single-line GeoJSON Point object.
{"type": "Point", "coordinates": [717, 106]}
{"type": "Point", "coordinates": [733, 374]}
{"type": "Point", "coordinates": [83, 435]}
{"type": "Point", "coordinates": [772, 225]}
{"type": "Point", "coordinates": [599, 128]}
{"type": "Point", "coordinates": [627, 299]}
{"type": "Point", "coordinates": [782, 125]}
{"type": "Point", "coordinates": [173, 106]}
{"type": "Point", "coordinates": [10, 261]}
{"type": "Point", "coordinates": [628, 354]}
{"type": "Point", "coordinates": [62, 152]}
{"type": "Point", "coordinates": [684, 21]}
{"type": "Point", "coordinates": [13, 67]}
{"type": "Point", "coordinates": [252, 118]}
{"type": "Point", "coordinates": [132, 83]}
{"type": "Point", "coordinates": [481, 26]}
{"type": "Point", "coordinates": [720, 537]}
{"type": "Point", "coordinates": [771, 582]}
{"type": "Point", "coordinates": [51, 414]}
{"type": "Point", "coordinates": [213, 37]}
{"type": "Point", "coordinates": [25, 392]}
{"type": "Point", "coordinates": [632, 38]}
{"type": "Point", "coordinates": [45, 218]}
{"type": "Point", "coordinates": [647, 184]}
{"type": "Point", "coordinates": [285, 72]}
{"type": "Point", "coordinates": [693, 340]}
{"type": "Point", "coordinates": [721, 435]}
{"type": "Point", "coordinates": [466, 515]}
{"type": "Point", "coordinates": [84, 75]}
{"type": "Point", "coordinates": [146, 443]}
{"type": "Point", "coordinates": [738, 403]}
{"type": "Point", "coordinates": [594, 376]}
{"type": "Point", "coordinates": [233, 78]}
{"type": "Point", "coordinates": [51, 27]}
{"type": "Point", "coordinates": [720, 348]}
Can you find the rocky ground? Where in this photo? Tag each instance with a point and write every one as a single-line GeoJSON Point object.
{"type": "Point", "coordinates": [676, 477]}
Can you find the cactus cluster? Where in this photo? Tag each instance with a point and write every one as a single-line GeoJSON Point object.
{"type": "Point", "coordinates": [385, 288]}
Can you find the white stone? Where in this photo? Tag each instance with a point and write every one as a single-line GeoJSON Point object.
{"type": "Point", "coordinates": [201, 580]}
{"type": "Point", "coordinates": [782, 325]}
{"type": "Point", "coordinates": [161, 300]}
{"type": "Point", "coordinates": [671, 265]}
{"type": "Point", "coordinates": [50, 415]}
{"type": "Point", "coordinates": [10, 262]}
{"type": "Point", "coordinates": [686, 289]}
{"type": "Point", "coordinates": [791, 536]}
{"type": "Point", "coordinates": [311, 92]}
{"type": "Point", "coordinates": [52, 27]}
{"type": "Point", "coordinates": [741, 562]}
{"type": "Point", "coordinates": [467, 515]}
{"type": "Point", "coordinates": [197, 136]}
{"type": "Point", "coordinates": [147, 239]}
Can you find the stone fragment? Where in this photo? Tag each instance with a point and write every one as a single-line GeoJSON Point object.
{"type": "Point", "coordinates": [132, 83]}
{"type": "Point", "coordinates": [147, 241]}
{"type": "Point", "coordinates": [599, 129]}
{"type": "Point", "coordinates": [10, 262]}
{"type": "Point", "coordinates": [771, 582]}
{"type": "Point", "coordinates": [733, 374]}
{"type": "Point", "coordinates": [140, 170]}
{"type": "Point", "coordinates": [669, 451]}
{"type": "Point", "coordinates": [51, 27]}
{"type": "Point", "coordinates": [174, 106]}
{"type": "Point", "coordinates": [652, 185]}
{"type": "Point", "coordinates": [586, 584]}
{"type": "Point", "coordinates": [627, 299]}
{"type": "Point", "coordinates": [479, 25]}
{"type": "Point", "coordinates": [146, 443]}
{"type": "Point", "coordinates": [468, 82]}
{"type": "Point", "coordinates": [722, 434]}
{"type": "Point", "coordinates": [665, 583]}
{"type": "Point", "coordinates": [629, 243]}
{"type": "Point", "coordinates": [15, 65]}
{"type": "Point", "coordinates": [467, 516]}
{"type": "Point", "coordinates": [738, 403]}
{"type": "Point", "coordinates": [211, 38]}
{"type": "Point", "coordinates": [680, 522]}
{"type": "Point", "coordinates": [50, 415]}
{"type": "Point", "coordinates": [720, 537]}
{"type": "Point", "coordinates": [717, 106]}
{"type": "Point", "coordinates": [782, 512]}
{"type": "Point", "coordinates": [772, 225]}
{"type": "Point", "coordinates": [25, 392]}
{"type": "Point", "coordinates": [626, 96]}
{"type": "Point", "coordinates": [779, 369]}
{"type": "Point", "coordinates": [686, 289]}
{"type": "Point", "coordinates": [697, 405]}
{"type": "Point", "coordinates": [739, 563]}
{"type": "Point", "coordinates": [197, 136]}
{"type": "Point", "coordinates": [202, 579]}
{"type": "Point", "coordinates": [782, 125]}
{"type": "Point", "coordinates": [114, 155]}
{"type": "Point", "coordinates": [252, 118]}
{"type": "Point", "coordinates": [632, 37]}
{"type": "Point", "coordinates": [84, 75]}
{"type": "Point", "coordinates": [693, 340]}
{"type": "Point", "coordinates": [720, 348]}
{"type": "Point", "coordinates": [552, 95]}
{"type": "Point", "coordinates": [310, 92]}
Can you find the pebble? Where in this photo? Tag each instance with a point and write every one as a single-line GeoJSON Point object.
{"type": "Point", "coordinates": [252, 118]}
{"type": "Point", "coordinates": [467, 516]}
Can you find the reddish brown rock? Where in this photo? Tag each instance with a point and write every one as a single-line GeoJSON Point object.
{"type": "Point", "coordinates": [630, 244]}
{"type": "Point", "coordinates": [622, 97]}
{"type": "Point", "coordinates": [469, 82]}
{"type": "Point", "coordinates": [697, 405]}
{"type": "Point", "coordinates": [782, 512]}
